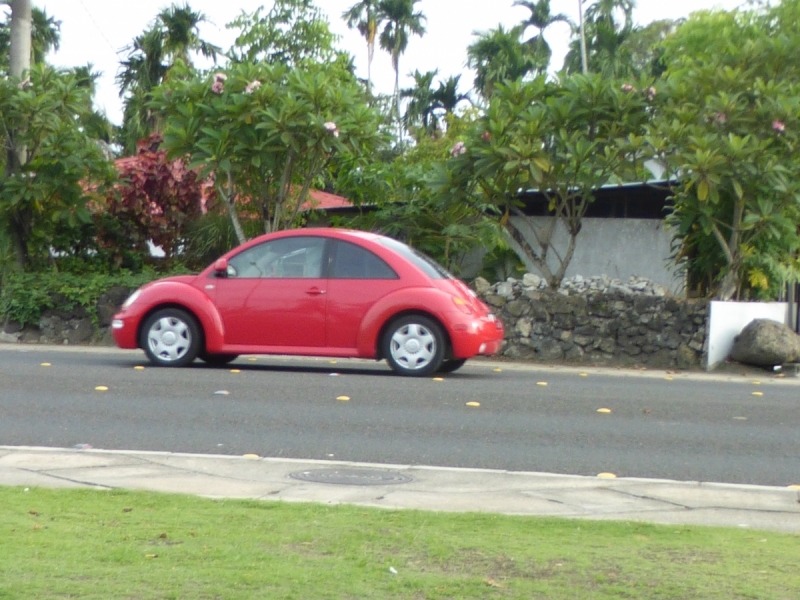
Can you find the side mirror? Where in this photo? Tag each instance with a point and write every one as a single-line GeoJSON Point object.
{"type": "Point", "coordinates": [221, 267]}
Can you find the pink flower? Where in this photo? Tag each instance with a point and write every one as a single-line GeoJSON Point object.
{"type": "Point", "coordinates": [218, 87]}
{"type": "Point", "coordinates": [651, 93]}
{"type": "Point", "coordinates": [627, 87]}
{"type": "Point", "coordinates": [221, 77]}
{"type": "Point", "coordinates": [778, 126]}
{"type": "Point", "coordinates": [331, 127]}
{"type": "Point", "coordinates": [459, 148]}
{"type": "Point", "coordinates": [486, 136]}
{"type": "Point", "coordinates": [252, 86]}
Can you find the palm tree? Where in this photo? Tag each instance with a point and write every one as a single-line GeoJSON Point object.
{"type": "Point", "coordinates": [541, 18]}
{"type": "Point", "coordinates": [447, 95]}
{"type": "Point", "coordinates": [608, 24]}
{"type": "Point", "coordinates": [45, 36]}
{"type": "Point", "coordinates": [498, 55]}
{"type": "Point", "coordinates": [400, 22]}
{"type": "Point", "coordinates": [94, 123]}
{"type": "Point", "coordinates": [172, 38]}
{"type": "Point", "coordinates": [419, 110]}
{"type": "Point", "coordinates": [180, 33]}
{"type": "Point", "coordinates": [364, 16]}
{"type": "Point", "coordinates": [427, 106]}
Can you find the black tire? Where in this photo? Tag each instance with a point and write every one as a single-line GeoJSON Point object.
{"type": "Point", "coordinates": [414, 346]}
{"type": "Point", "coordinates": [170, 337]}
{"type": "Point", "coordinates": [217, 360]}
{"type": "Point", "coordinates": [452, 364]}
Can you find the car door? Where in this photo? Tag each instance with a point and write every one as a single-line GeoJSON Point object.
{"type": "Point", "coordinates": [357, 279]}
{"type": "Point", "coordinates": [275, 294]}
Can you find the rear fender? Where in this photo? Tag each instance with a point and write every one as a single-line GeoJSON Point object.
{"type": "Point", "coordinates": [427, 301]}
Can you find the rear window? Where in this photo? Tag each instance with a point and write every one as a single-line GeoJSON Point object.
{"type": "Point", "coordinates": [429, 266]}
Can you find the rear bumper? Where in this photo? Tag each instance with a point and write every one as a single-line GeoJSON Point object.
{"type": "Point", "coordinates": [482, 335]}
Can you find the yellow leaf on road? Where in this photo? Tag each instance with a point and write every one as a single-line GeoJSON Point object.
{"type": "Point", "coordinates": [343, 398]}
{"type": "Point", "coordinates": [101, 388]}
{"type": "Point", "coordinates": [606, 476]}
{"type": "Point", "coordinates": [604, 410]}
{"type": "Point", "coordinates": [45, 364]}
{"type": "Point", "coordinates": [473, 403]}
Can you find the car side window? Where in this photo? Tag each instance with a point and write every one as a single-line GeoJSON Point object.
{"type": "Point", "coordinates": [354, 262]}
{"type": "Point", "coordinates": [287, 258]}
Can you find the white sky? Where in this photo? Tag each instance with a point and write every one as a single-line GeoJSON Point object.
{"type": "Point", "coordinates": [95, 31]}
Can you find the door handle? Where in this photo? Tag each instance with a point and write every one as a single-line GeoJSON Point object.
{"type": "Point", "coordinates": [315, 291]}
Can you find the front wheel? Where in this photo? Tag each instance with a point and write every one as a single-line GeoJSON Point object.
{"type": "Point", "coordinates": [170, 338]}
{"type": "Point", "coordinates": [453, 364]}
{"type": "Point", "coordinates": [414, 345]}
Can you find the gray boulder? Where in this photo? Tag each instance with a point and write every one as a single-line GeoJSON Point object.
{"type": "Point", "coordinates": [764, 342]}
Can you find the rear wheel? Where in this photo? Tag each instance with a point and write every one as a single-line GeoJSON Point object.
{"type": "Point", "coordinates": [414, 345]}
{"type": "Point", "coordinates": [217, 360]}
{"type": "Point", "coordinates": [170, 338]}
{"type": "Point", "coordinates": [453, 364]}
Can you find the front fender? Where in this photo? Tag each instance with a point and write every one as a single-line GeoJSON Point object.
{"type": "Point", "coordinates": [428, 300]}
{"type": "Point", "coordinates": [181, 295]}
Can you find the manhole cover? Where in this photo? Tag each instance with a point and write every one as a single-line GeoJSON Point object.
{"type": "Point", "coordinates": [352, 476]}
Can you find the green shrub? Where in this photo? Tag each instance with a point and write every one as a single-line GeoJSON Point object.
{"type": "Point", "coordinates": [24, 296]}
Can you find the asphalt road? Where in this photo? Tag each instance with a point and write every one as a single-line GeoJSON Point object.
{"type": "Point", "coordinates": [660, 425]}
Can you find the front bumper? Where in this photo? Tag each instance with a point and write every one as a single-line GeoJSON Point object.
{"type": "Point", "coordinates": [124, 327]}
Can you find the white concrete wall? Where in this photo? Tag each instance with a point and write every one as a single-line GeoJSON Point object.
{"type": "Point", "coordinates": [619, 248]}
{"type": "Point", "coordinates": [727, 319]}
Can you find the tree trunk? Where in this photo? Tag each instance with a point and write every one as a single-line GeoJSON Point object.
{"type": "Point", "coordinates": [231, 206]}
{"type": "Point", "coordinates": [20, 50]}
{"type": "Point", "coordinates": [729, 284]}
{"type": "Point", "coordinates": [540, 262]}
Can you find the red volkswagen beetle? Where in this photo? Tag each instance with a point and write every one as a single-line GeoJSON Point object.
{"type": "Point", "coordinates": [313, 292]}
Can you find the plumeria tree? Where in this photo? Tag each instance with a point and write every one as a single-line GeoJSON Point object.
{"type": "Point", "coordinates": [266, 134]}
{"type": "Point", "coordinates": [292, 33]}
{"type": "Point", "coordinates": [52, 165]}
{"type": "Point", "coordinates": [729, 133]}
{"type": "Point", "coordinates": [403, 204]}
{"type": "Point", "coordinates": [564, 139]}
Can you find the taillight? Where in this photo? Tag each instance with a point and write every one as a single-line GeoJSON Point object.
{"type": "Point", "coordinates": [463, 305]}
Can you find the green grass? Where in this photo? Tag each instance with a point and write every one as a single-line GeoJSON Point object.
{"type": "Point", "coordinates": [132, 545]}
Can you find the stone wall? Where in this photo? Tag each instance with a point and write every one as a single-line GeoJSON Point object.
{"type": "Point", "coordinates": [67, 326]}
{"type": "Point", "coordinates": [598, 321]}
{"type": "Point", "coordinates": [588, 321]}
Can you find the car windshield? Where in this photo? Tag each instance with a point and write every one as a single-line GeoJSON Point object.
{"type": "Point", "coordinates": [429, 266]}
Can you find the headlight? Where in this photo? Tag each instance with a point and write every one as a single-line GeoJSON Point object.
{"type": "Point", "coordinates": [131, 299]}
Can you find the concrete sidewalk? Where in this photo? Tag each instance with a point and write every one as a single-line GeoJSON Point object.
{"type": "Point", "coordinates": [404, 486]}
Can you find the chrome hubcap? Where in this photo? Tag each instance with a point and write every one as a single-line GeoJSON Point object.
{"type": "Point", "coordinates": [413, 346]}
{"type": "Point", "coordinates": [169, 339]}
